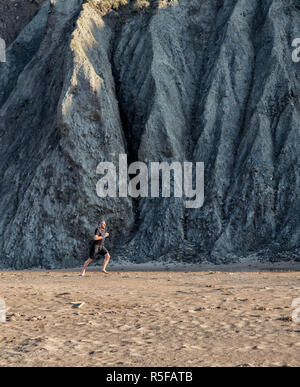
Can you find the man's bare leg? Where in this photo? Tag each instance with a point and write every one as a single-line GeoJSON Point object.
{"type": "Point", "coordinates": [86, 263]}
{"type": "Point", "coordinates": [106, 260]}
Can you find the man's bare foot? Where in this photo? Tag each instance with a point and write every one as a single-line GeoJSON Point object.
{"type": "Point", "coordinates": [82, 274]}
{"type": "Point", "coordinates": [104, 271]}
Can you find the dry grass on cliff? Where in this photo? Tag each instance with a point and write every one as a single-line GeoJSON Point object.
{"type": "Point", "coordinates": [105, 6]}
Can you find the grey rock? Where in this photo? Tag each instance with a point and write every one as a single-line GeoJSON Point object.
{"type": "Point", "coordinates": [77, 305]}
{"type": "Point", "coordinates": [194, 80]}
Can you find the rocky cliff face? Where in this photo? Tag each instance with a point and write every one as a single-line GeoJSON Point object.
{"type": "Point", "coordinates": [194, 80]}
{"type": "Point", "coordinates": [15, 15]}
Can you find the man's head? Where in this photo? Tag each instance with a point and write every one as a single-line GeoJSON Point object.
{"type": "Point", "coordinates": [102, 224]}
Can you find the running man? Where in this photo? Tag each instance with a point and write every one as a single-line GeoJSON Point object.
{"type": "Point", "coordinates": [98, 248]}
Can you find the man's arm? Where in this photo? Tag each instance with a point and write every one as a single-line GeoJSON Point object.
{"type": "Point", "coordinates": [99, 237]}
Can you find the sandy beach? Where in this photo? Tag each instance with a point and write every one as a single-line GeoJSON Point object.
{"type": "Point", "coordinates": [221, 317]}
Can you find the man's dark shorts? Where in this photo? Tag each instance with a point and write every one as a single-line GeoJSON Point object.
{"type": "Point", "coordinates": [96, 251]}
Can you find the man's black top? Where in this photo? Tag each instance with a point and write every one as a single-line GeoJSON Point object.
{"type": "Point", "coordinates": [100, 242]}
{"type": "Point", "coordinates": [97, 248]}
